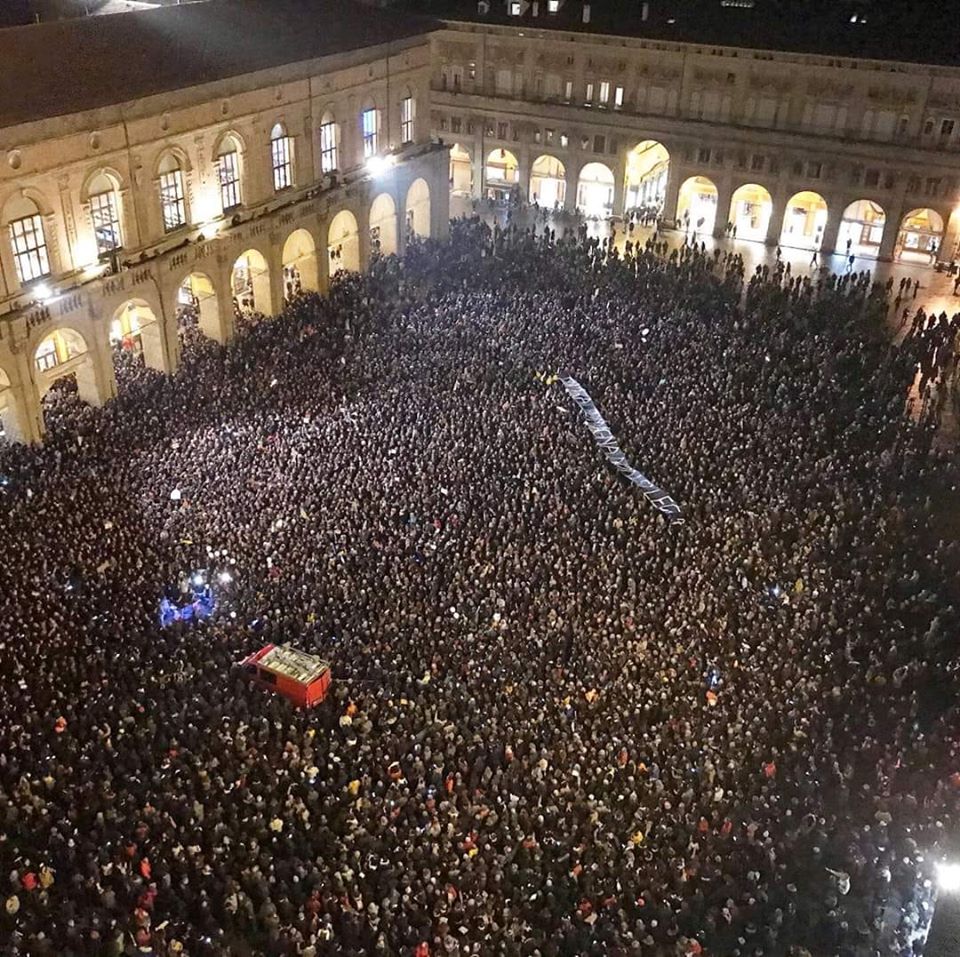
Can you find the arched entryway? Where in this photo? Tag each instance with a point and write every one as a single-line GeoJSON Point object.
{"type": "Point", "coordinates": [418, 209]}
{"type": "Point", "coordinates": [804, 221]}
{"type": "Point", "coordinates": [62, 354]}
{"type": "Point", "coordinates": [343, 243]}
{"type": "Point", "coordinates": [299, 264]}
{"type": "Point", "coordinates": [648, 164]}
{"type": "Point", "coordinates": [502, 173]}
{"type": "Point", "coordinates": [920, 236]}
{"type": "Point", "coordinates": [595, 189]}
{"type": "Point", "coordinates": [250, 284]}
{"type": "Point", "coordinates": [137, 333]}
{"type": "Point", "coordinates": [198, 308]}
{"type": "Point", "coordinates": [861, 229]}
{"type": "Point", "coordinates": [383, 225]}
{"type": "Point", "coordinates": [697, 205]}
{"type": "Point", "coordinates": [461, 171]}
{"type": "Point", "coordinates": [750, 211]}
{"type": "Point", "coordinates": [548, 182]}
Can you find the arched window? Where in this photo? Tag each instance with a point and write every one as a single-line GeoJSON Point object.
{"type": "Point", "coordinates": [25, 225]}
{"type": "Point", "coordinates": [172, 203]}
{"type": "Point", "coordinates": [408, 116]}
{"type": "Point", "coordinates": [105, 213]}
{"type": "Point", "coordinates": [228, 172]}
{"type": "Point", "coordinates": [281, 158]}
{"type": "Point", "coordinates": [370, 130]}
{"type": "Point", "coordinates": [329, 135]}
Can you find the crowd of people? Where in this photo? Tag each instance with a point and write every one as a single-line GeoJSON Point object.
{"type": "Point", "coordinates": [558, 725]}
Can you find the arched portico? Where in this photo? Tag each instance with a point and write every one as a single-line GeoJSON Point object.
{"type": "Point", "coordinates": [750, 210]}
{"type": "Point", "coordinates": [548, 182]}
{"type": "Point", "coordinates": [861, 229]}
{"type": "Point", "coordinates": [502, 174]}
{"type": "Point", "coordinates": [648, 165]}
{"type": "Point", "coordinates": [804, 221]}
{"type": "Point", "coordinates": [697, 205]}
{"type": "Point", "coordinates": [136, 327]}
{"type": "Point", "coordinates": [299, 259]}
{"type": "Point", "coordinates": [383, 225]}
{"type": "Point", "coordinates": [198, 306]}
{"type": "Point", "coordinates": [343, 243]}
{"type": "Point", "coordinates": [461, 171]}
{"type": "Point", "coordinates": [62, 351]}
{"type": "Point", "coordinates": [250, 283]}
{"type": "Point", "coordinates": [418, 210]}
{"type": "Point", "coordinates": [595, 189]}
{"type": "Point", "coordinates": [920, 236]}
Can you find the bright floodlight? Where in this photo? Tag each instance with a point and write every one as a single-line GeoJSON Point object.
{"type": "Point", "coordinates": [42, 291]}
{"type": "Point", "coordinates": [225, 578]}
{"type": "Point", "coordinates": [948, 877]}
{"type": "Point", "coordinates": [378, 165]}
{"type": "Point", "coordinates": [198, 579]}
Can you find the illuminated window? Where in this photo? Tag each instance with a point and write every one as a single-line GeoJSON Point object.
{"type": "Point", "coordinates": [328, 145]}
{"type": "Point", "coordinates": [407, 115]}
{"type": "Point", "coordinates": [281, 158]}
{"type": "Point", "coordinates": [553, 6]}
{"type": "Point", "coordinates": [369, 126]}
{"type": "Point", "coordinates": [228, 172]}
{"type": "Point", "coordinates": [46, 357]}
{"type": "Point", "coordinates": [172, 204]}
{"type": "Point", "coordinates": [106, 222]}
{"type": "Point", "coordinates": [589, 97]}
{"type": "Point", "coordinates": [604, 93]}
{"type": "Point", "coordinates": [29, 248]}
{"type": "Point", "coordinates": [618, 98]}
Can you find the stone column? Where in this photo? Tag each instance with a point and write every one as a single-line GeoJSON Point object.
{"type": "Point", "coordinates": [96, 382]}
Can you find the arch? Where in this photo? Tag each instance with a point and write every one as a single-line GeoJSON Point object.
{"type": "Point", "coordinates": [461, 171]}
{"type": "Point", "coordinates": [383, 225]}
{"type": "Point", "coordinates": [804, 221]}
{"type": "Point", "coordinates": [250, 283]}
{"type": "Point", "coordinates": [198, 306]}
{"type": "Point", "coordinates": [343, 243]}
{"type": "Point", "coordinates": [548, 182]}
{"type": "Point", "coordinates": [60, 352]}
{"type": "Point", "coordinates": [697, 204]}
{"type": "Point", "coordinates": [861, 228]}
{"type": "Point", "coordinates": [136, 328]}
{"type": "Point", "coordinates": [595, 189]}
{"type": "Point", "coordinates": [101, 180]}
{"type": "Point", "coordinates": [22, 198]}
{"type": "Point", "coordinates": [299, 260]}
{"type": "Point", "coordinates": [417, 207]}
{"type": "Point", "coordinates": [502, 173]}
{"type": "Point", "coordinates": [279, 129]}
{"type": "Point", "coordinates": [170, 159]}
{"type": "Point", "coordinates": [648, 165]}
{"type": "Point", "coordinates": [920, 236]}
{"type": "Point", "coordinates": [751, 207]}
{"type": "Point", "coordinates": [227, 142]}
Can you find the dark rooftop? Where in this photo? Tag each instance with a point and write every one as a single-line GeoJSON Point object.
{"type": "Point", "coordinates": [61, 67]}
{"type": "Point", "coordinates": [916, 31]}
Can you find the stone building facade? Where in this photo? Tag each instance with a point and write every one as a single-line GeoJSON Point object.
{"type": "Point", "coordinates": [203, 201]}
{"type": "Point", "coordinates": [792, 148]}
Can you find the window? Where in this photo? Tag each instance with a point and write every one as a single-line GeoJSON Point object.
{"type": "Point", "coordinates": [502, 131]}
{"type": "Point", "coordinates": [598, 143]}
{"type": "Point", "coordinates": [369, 125]}
{"type": "Point", "coordinates": [106, 221]}
{"type": "Point", "coordinates": [472, 70]}
{"type": "Point", "coordinates": [928, 127]}
{"type": "Point", "coordinates": [872, 177]}
{"type": "Point", "coordinates": [588, 99]}
{"type": "Point", "coordinates": [47, 357]}
{"type": "Point", "coordinates": [228, 170]}
{"type": "Point", "coordinates": [703, 155]}
{"type": "Point", "coordinates": [406, 119]}
{"type": "Point", "coordinates": [548, 135]}
{"type": "Point", "coordinates": [537, 136]}
{"type": "Point", "coordinates": [456, 124]}
{"type": "Point", "coordinates": [281, 156]}
{"type": "Point", "coordinates": [29, 248]}
{"type": "Point", "coordinates": [933, 185]}
{"type": "Point", "coordinates": [604, 93]}
{"type": "Point", "coordinates": [814, 170]}
{"type": "Point", "coordinates": [756, 161]}
{"type": "Point", "coordinates": [568, 90]}
{"type": "Point", "coordinates": [564, 141]}
{"type": "Point", "coordinates": [443, 123]}
{"type": "Point", "coordinates": [328, 145]}
{"type": "Point", "coordinates": [514, 8]}
{"type": "Point", "coordinates": [618, 98]}
{"type": "Point", "coordinates": [946, 128]}
{"type": "Point", "coordinates": [172, 204]}
{"type": "Point", "coordinates": [553, 6]}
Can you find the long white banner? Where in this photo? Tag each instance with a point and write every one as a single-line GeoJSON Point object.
{"type": "Point", "coordinates": [656, 496]}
